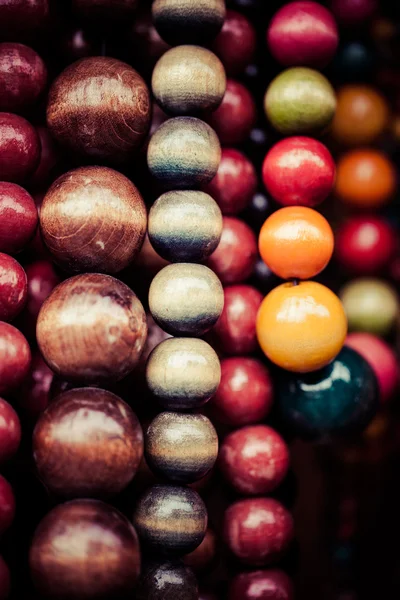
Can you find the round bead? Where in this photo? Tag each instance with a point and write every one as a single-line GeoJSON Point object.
{"type": "Point", "coordinates": [361, 115]}
{"type": "Point", "coordinates": [182, 21]}
{"type": "Point", "coordinates": [236, 42]}
{"type": "Point", "coordinates": [309, 340]}
{"type": "Point", "coordinates": [10, 431]}
{"type": "Point", "coordinates": [271, 584]}
{"type": "Point", "coordinates": [185, 225]}
{"type": "Point", "coordinates": [296, 242]}
{"type": "Point", "coordinates": [171, 519]}
{"type": "Point", "coordinates": [186, 299]}
{"type": "Point", "coordinates": [18, 217]}
{"type": "Point", "coordinates": [371, 305]}
{"type": "Point", "coordinates": [339, 398]}
{"type": "Point", "coordinates": [42, 279]}
{"type": "Point", "coordinates": [258, 530]}
{"type": "Point", "coordinates": [15, 357]}
{"type": "Point", "coordinates": [181, 447]}
{"type": "Point", "coordinates": [188, 80]}
{"type": "Point", "coordinates": [5, 580]}
{"type": "Point", "coordinates": [73, 543]}
{"type": "Point", "coordinates": [254, 459]}
{"type": "Point", "coordinates": [104, 10]}
{"type": "Point", "coordinates": [169, 579]}
{"type": "Point", "coordinates": [299, 171]}
{"type": "Point", "coordinates": [93, 219]}
{"type": "Point", "coordinates": [19, 18]}
{"type": "Point", "coordinates": [7, 505]}
{"type": "Point", "coordinates": [48, 161]}
{"type": "Point", "coordinates": [88, 443]}
{"type": "Point", "coordinates": [184, 152]}
{"type": "Point", "coordinates": [22, 77]}
{"type": "Point", "coordinates": [236, 115]}
{"type": "Point", "coordinates": [366, 179]}
{"type": "Point", "coordinates": [304, 34]}
{"type": "Point", "coordinates": [100, 108]}
{"type": "Point", "coordinates": [19, 148]}
{"type": "Point", "coordinates": [92, 328]}
{"type": "Point", "coordinates": [300, 101]}
{"type": "Point", "coordinates": [13, 287]}
{"type": "Point", "coordinates": [203, 557]}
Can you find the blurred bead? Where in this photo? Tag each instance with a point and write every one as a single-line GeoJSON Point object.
{"type": "Point", "coordinates": [236, 115]}
{"type": "Point", "coordinates": [166, 580]}
{"type": "Point", "coordinates": [301, 327]}
{"type": "Point", "coordinates": [77, 43]}
{"type": "Point", "coordinates": [22, 77]}
{"type": "Point", "coordinates": [353, 12]}
{"type": "Point", "coordinates": [5, 580]}
{"type": "Point", "coordinates": [20, 19]}
{"type": "Point", "coordinates": [18, 218]}
{"type": "Point", "coordinates": [48, 160]}
{"type": "Point", "coordinates": [201, 558]}
{"type": "Point", "coordinates": [34, 395]}
{"type": "Point", "coordinates": [15, 358]}
{"type": "Point", "coordinates": [19, 148]}
{"type": "Point", "coordinates": [236, 42]}
{"type": "Point", "coordinates": [13, 287]}
{"type": "Point", "coordinates": [7, 506]}
{"type": "Point", "coordinates": [272, 584]}
{"type": "Point", "coordinates": [42, 279]}
{"type": "Point", "coordinates": [10, 431]}
{"type": "Point", "coordinates": [354, 61]}
{"type": "Point", "coordinates": [146, 42]}
{"type": "Point", "coordinates": [148, 260]}
{"type": "Point", "coordinates": [258, 210]}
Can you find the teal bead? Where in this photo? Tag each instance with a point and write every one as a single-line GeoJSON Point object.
{"type": "Point", "coordinates": [338, 399]}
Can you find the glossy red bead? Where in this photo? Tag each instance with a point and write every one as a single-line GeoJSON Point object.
{"type": "Point", "coordinates": [5, 580]}
{"type": "Point", "coordinates": [364, 245]}
{"type": "Point", "coordinates": [236, 42]}
{"type": "Point", "coordinates": [19, 148]}
{"type": "Point", "coordinates": [10, 430]}
{"type": "Point", "coordinates": [299, 171]}
{"type": "Point", "coordinates": [49, 158]}
{"type": "Point", "coordinates": [236, 115]}
{"type": "Point", "coordinates": [18, 217]}
{"type": "Point", "coordinates": [271, 584]}
{"type": "Point", "coordinates": [13, 287]}
{"type": "Point", "coordinates": [23, 77]}
{"type": "Point", "coordinates": [34, 395]}
{"type": "Point", "coordinates": [7, 505]}
{"type": "Point", "coordinates": [15, 357]}
{"type": "Point", "coordinates": [245, 394]}
{"type": "Point", "coordinates": [42, 279]}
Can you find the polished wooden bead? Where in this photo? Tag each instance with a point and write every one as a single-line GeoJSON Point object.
{"type": "Point", "coordinates": [22, 77]}
{"type": "Point", "coordinates": [18, 217]}
{"type": "Point", "coordinates": [7, 505]}
{"type": "Point", "coordinates": [301, 327]}
{"type": "Point", "coordinates": [10, 431]}
{"type": "Point", "coordinates": [93, 219]}
{"type": "Point", "coordinates": [105, 9]}
{"type": "Point", "coordinates": [182, 21]}
{"type": "Point", "coordinates": [271, 584]}
{"type": "Point", "coordinates": [88, 443]}
{"type": "Point", "coordinates": [92, 328]}
{"type": "Point", "coordinates": [100, 108]}
{"type": "Point", "coordinates": [236, 42]}
{"type": "Point", "coordinates": [15, 357]}
{"type": "Point", "coordinates": [170, 519]}
{"type": "Point", "coordinates": [236, 115]}
{"type": "Point", "coordinates": [181, 447]}
{"type": "Point", "coordinates": [13, 287]}
{"type": "Point", "coordinates": [183, 373]}
{"type": "Point", "coordinates": [19, 148]}
{"type": "Point", "coordinates": [188, 80]}
{"type": "Point", "coordinates": [166, 580]}
{"type": "Point", "coordinates": [185, 225]}
{"type": "Point", "coordinates": [84, 549]}
{"type": "Point", "coordinates": [300, 101]}
{"type": "Point", "coordinates": [186, 299]}
{"type": "Point", "coordinates": [184, 152]}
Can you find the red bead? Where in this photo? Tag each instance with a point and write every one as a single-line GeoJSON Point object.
{"type": "Point", "coordinates": [23, 77]}
{"type": "Point", "coordinates": [235, 330]}
{"type": "Point", "coordinates": [353, 12]}
{"type": "Point", "coordinates": [236, 254]}
{"type": "Point", "coordinates": [5, 580]}
{"type": "Point", "coordinates": [254, 459]}
{"type": "Point", "coordinates": [10, 431]}
{"type": "Point", "coordinates": [236, 42]}
{"type": "Point", "coordinates": [299, 171]}
{"type": "Point", "coordinates": [13, 287]}
{"type": "Point", "coordinates": [258, 530]}
{"type": "Point", "coordinates": [271, 584]}
{"type": "Point", "coordinates": [304, 34]}
{"type": "Point", "coordinates": [235, 182]}
{"type": "Point", "coordinates": [245, 394]}
{"type": "Point", "coordinates": [15, 357]}
{"type": "Point", "coordinates": [18, 217]}
{"type": "Point", "coordinates": [42, 279]}
{"type": "Point", "coordinates": [365, 245]}
{"type": "Point", "coordinates": [236, 115]}
{"type": "Point", "coordinates": [34, 395]}
{"type": "Point", "coordinates": [19, 148]}
{"type": "Point", "coordinates": [7, 505]}
{"type": "Point", "coordinates": [48, 160]}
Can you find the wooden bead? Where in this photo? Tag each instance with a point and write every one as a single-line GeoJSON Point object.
{"type": "Point", "coordinates": [88, 443]}
{"type": "Point", "coordinates": [181, 447]}
{"type": "Point", "coordinates": [185, 226]}
{"type": "Point", "coordinates": [183, 22]}
{"type": "Point", "coordinates": [19, 148]}
{"type": "Point", "coordinates": [188, 80]}
{"type": "Point", "coordinates": [10, 431]}
{"type": "Point", "coordinates": [236, 115]}
{"type": "Point", "coordinates": [166, 580]}
{"type": "Point", "coordinates": [22, 77]}
{"type": "Point", "coordinates": [183, 373]}
{"type": "Point", "coordinates": [92, 328]}
{"type": "Point", "coordinates": [186, 299]}
{"type": "Point", "coordinates": [236, 42]}
{"type": "Point", "coordinates": [184, 152]}
{"type": "Point", "coordinates": [15, 357]}
{"type": "Point", "coordinates": [100, 108]}
{"type": "Point", "coordinates": [13, 287]}
{"type": "Point", "coordinates": [93, 219]}
{"type": "Point", "coordinates": [18, 217]}
{"type": "Point", "coordinates": [84, 550]}
{"type": "Point", "coordinates": [34, 395]}
{"type": "Point", "coordinates": [171, 519]}
{"type": "Point", "coordinates": [49, 159]}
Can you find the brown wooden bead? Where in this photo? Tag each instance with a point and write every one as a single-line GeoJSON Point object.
{"type": "Point", "coordinates": [88, 443]}
{"type": "Point", "coordinates": [85, 550]}
{"type": "Point", "coordinates": [186, 299]}
{"type": "Point", "coordinates": [93, 219]}
{"type": "Point", "coordinates": [184, 152]}
{"type": "Point", "coordinates": [183, 373]}
{"type": "Point", "coordinates": [99, 107]}
{"type": "Point", "coordinates": [171, 519]}
{"type": "Point", "coordinates": [92, 328]}
{"type": "Point", "coordinates": [188, 80]}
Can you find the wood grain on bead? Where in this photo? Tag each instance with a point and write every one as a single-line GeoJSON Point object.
{"type": "Point", "coordinates": [169, 580]}
{"type": "Point", "coordinates": [182, 21]}
{"type": "Point", "coordinates": [184, 152]}
{"type": "Point", "coordinates": [13, 287]}
{"type": "Point", "coordinates": [99, 107]}
{"type": "Point", "coordinates": [183, 373]}
{"type": "Point", "coordinates": [88, 443]}
{"type": "Point", "coordinates": [19, 148]}
{"type": "Point", "coordinates": [181, 447]}
{"type": "Point", "coordinates": [84, 550]}
{"type": "Point", "coordinates": [22, 77]}
{"type": "Point", "coordinates": [185, 225]}
{"type": "Point", "coordinates": [188, 80]}
{"type": "Point", "coordinates": [171, 519]}
{"type": "Point", "coordinates": [186, 299]}
{"type": "Point", "coordinates": [92, 328]}
{"type": "Point", "coordinates": [93, 219]}
{"type": "Point", "coordinates": [15, 357]}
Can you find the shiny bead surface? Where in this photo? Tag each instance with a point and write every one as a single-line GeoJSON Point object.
{"type": "Point", "coordinates": [18, 217]}
{"type": "Point", "coordinates": [166, 580]}
{"type": "Point", "coordinates": [271, 584]}
{"type": "Point", "coordinates": [15, 357]}
{"type": "Point", "coordinates": [13, 287]}
{"type": "Point", "coordinates": [236, 115]}
{"type": "Point", "coordinates": [19, 148]}
{"type": "Point", "coordinates": [10, 431]}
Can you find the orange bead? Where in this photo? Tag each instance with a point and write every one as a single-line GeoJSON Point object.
{"type": "Point", "coordinates": [301, 327]}
{"type": "Point", "coordinates": [296, 242]}
{"type": "Point", "coordinates": [361, 115]}
{"type": "Point", "coordinates": [365, 179]}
